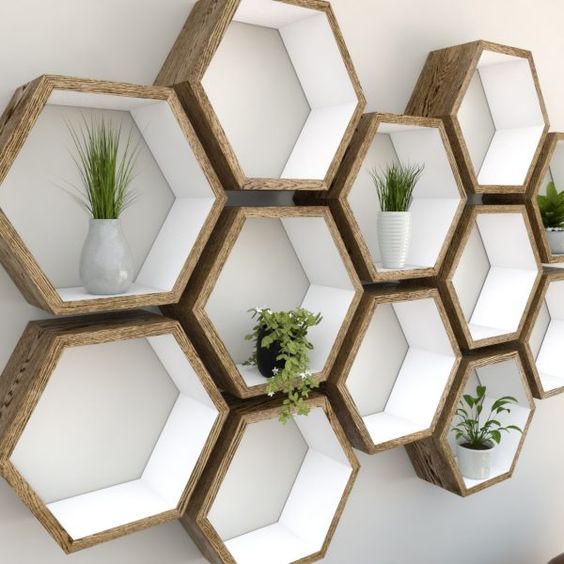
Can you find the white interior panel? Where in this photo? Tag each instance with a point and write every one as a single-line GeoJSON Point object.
{"type": "Point", "coordinates": [539, 329]}
{"type": "Point", "coordinates": [556, 169]}
{"type": "Point", "coordinates": [94, 100]}
{"type": "Point", "coordinates": [384, 427]}
{"type": "Point", "coordinates": [549, 360]}
{"type": "Point", "coordinates": [554, 299]}
{"type": "Point", "coordinates": [268, 13]}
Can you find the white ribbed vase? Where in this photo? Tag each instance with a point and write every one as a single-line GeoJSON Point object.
{"type": "Point", "coordinates": [474, 464]}
{"type": "Point", "coordinates": [394, 234]}
{"type": "Point", "coordinates": [555, 241]}
{"type": "Point", "coordinates": [106, 265]}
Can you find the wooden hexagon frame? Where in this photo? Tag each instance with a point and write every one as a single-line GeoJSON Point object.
{"type": "Point", "coordinates": [186, 65]}
{"type": "Point", "coordinates": [196, 520]}
{"type": "Point", "coordinates": [440, 90]}
{"type": "Point", "coordinates": [16, 123]}
{"type": "Point", "coordinates": [433, 458]}
{"type": "Point", "coordinates": [27, 374]}
{"type": "Point", "coordinates": [340, 395]}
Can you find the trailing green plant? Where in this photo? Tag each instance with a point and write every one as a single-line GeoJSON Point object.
{"type": "Point", "coordinates": [395, 185]}
{"type": "Point", "coordinates": [289, 329]}
{"type": "Point", "coordinates": [106, 165]}
{"type": "Point", "coordinates": [551, 207]}
{"type": "Point", "coordinates": [480, 436]}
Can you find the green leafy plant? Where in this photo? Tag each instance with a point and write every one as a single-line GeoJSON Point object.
{"type": "Point", "coordinates": [481, 436]}
{"type": "Point", "coordinates": [106, 165]}
{"type": "Point", "coordinates": [288, 329]}
{"type": "Point", "coordinates": [395, 185]}
{"type": "Point", "coordinates": [551, 207]}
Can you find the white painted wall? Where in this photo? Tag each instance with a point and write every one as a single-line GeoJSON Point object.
{"type": "Point", "coordinates": [517, 522]}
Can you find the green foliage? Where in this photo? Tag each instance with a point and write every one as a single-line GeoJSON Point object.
{"type": "Point", "coordinates": [468, 429]}
{"type": "Point", "coordinates": [551, 207]}
{"type": "Point", "coordinates": [106, 170]}
{"type": "Point", "coordinates": [395, 185]}
{"type": "Point", "coordinates": [289, 329]}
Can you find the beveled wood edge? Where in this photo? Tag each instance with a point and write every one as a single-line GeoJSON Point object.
{"type": "Point", "coordinates": [243, 413]}
{"type": "Point", "coordinates": [341, 398]}
{"type": "Point", "coordinates": [27, 374]}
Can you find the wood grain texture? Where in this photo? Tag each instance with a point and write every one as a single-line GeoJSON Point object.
{"type": "Point", "coordinates": [27, 374]}
{"type": "Point", "coordinates": [186, 65]}
{"type": "Point", "coordinates": [432, 457]}
{"type": "Point", "coordinates": [191, 309]}
{"type": "Point", "coordinates": [337, 390]}
{"type": "Point", "coordinates": [439, 92]}
{"type": "Point", "coordinates": [445, 280]}
{"type": "Point", "coordinates": [16, 123]}
{"type": "Point", "coordinates": [338, 197]}
{"type": "Point", "coordinates": [242, 414]}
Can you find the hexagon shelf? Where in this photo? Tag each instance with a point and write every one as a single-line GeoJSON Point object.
{"type": "Point", "coordinates": [550, 168]}
{"type": "Point", "coordinates": [490, 99]}
{"type": "Point", "coordinates": [292, 100]}
{"type": "Point", "coordinates": [237, 516]}
{"type": "Point", "coordinates": [542, 338]}
{"type": "Point", "coordinates": [438, 200]}
{"type": "Point", "coordinates": [74, 393]}
{"type": "Point", "coordinates": [491, 275]}
{"type": "Point", "coordinates": [280, 258]}
{"type": "Point", "coordinates": [394, 369]}
{"type": "Point", "coordinates": [175, 188]}
{"type": "Point", "coordinates": [434, 458]}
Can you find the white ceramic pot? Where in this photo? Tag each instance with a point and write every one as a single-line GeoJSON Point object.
{"type": "Point", "coordinates": [106, 265]}
{"type": "Point", "coordinates": [394, 234]}
{"type": "Point", "coordinates": [556, 241]}
{"type": "Point", "coordinates": [475, 464]}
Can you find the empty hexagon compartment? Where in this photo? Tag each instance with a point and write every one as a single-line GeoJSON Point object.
{"type": "Point", "coordinates": [177, 195]}
{"type": "Point", "coordinates": [281, 258]}
{"type": "Point", "coordinates": [272, 493]}
{"type": "Point", "coordinates": [490, 99]}
{"type": "Point", "coordinates": [542, 337]}
{"type": "Point", "coordinates": [438, 199]}
{"type": "Point", "coordinates": [292, 99]}
{"type": "Point", "coordinates": [491, 275]}
{"type": "Point", "coordinates": [394, 371]}
{"type": "Point", "coordinates": [434, 458]}
{"type": "Point", "coordinates": [105, 424]}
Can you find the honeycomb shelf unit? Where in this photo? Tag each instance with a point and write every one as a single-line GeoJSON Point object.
{"type": "Point", "coordinates": [236, 515]}
{"type": "Point", "coordinates": [267, 257]}
{"type": "Point", "coordinates": [550, 168]}
{"type": "Point", "coordinates": [438, 200]}
{"type": "Point", "coordinates": [292, 100]}
{"type": "Point", "coordinates": [541, 343]}
{"type": "Point", "coordinates": [394, 369]}
{"type": "Point", "coordinates": [434, 458]}
{"type": "Point", "coordinates": [491, 102]}
{"type": "Point", "coordinates": [491, 275]}
{"type": "Point", "coordinates": [76, 392]}
{"type": "Point", "coordinates": [178, 195]}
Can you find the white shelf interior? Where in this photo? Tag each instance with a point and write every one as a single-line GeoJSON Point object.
{"type": "Point", "coordinates": [116, 434]}
{"type": "Point", "coordinates": [401, 370]}
{"type": "Point", "coordinates": [501, 379]}
{"type": "Point", "coordinates": [547, 337]}
{"type": "Point", "coordinates": [277, 263]}
{"type": "Point", "coordinates": [435, 200]}
{"type": "Point", "coordinates": [281, 491]}
{"type": "Point", "coordinates": [173, 195]}
{"type": "Point", "coordinates": [501, 119]}
{"type": "Point", "coordinates": [288, 81]}
{"type": "Point", "coordinates": [495, 275]}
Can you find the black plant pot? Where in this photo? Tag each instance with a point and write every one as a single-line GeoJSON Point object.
{"type": "Point", "coordinates": [266, 358]}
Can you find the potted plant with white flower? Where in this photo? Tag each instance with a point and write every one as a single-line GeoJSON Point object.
{"type": "Point", "coordinates": [282, 355]}
{"type": "Point", "coordinates": [478, 435]}
{"type": "Point", "coordinates": [551, 208]}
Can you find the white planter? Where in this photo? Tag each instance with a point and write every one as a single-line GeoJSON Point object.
{"type": "Point", "coordinates": [474, 464]}
{"type": "Point", "coordinates": [106, 266]}
{"type": "Point", "coordinates": [394, 234]}
{"type": "Point", "coordinates": [556, 241]}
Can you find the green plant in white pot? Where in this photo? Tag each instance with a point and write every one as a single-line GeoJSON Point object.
{"type": "Point", "coordinates": [395, 186]}
{"type": "Point", "coordinates": [106, 165]}
{"type": "Point", "coordinates": [551, 207]}
{"type": "Point", "coordinates": [478, 432]}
